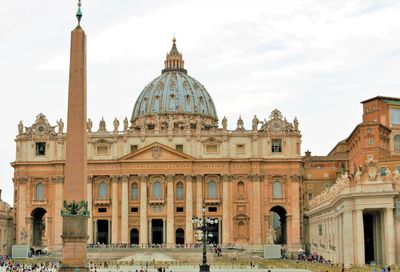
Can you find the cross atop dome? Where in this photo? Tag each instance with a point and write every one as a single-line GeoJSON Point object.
{"type": "Point", "coordinates": [174, 60]}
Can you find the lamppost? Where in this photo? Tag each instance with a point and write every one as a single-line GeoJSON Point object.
{"type": "Point", "coordinates": [204, 225]}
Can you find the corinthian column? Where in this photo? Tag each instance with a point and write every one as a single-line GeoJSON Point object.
{"type": "Point", "coordinates": [389, 236]}
{"type": "Point", "coordinates": [124, 210]}
{"type": "Point", "coordinates": [256, 212]}
{"type": "Point", "coordinates": [226, 222]}
{"type": "Point", "coordinates": [189, 209]}
{"type": "Point", "coordinates": [114, 210]}
{"type": "Point", "coordinates": [143, 211]}
{"type": "Point", "coordinates": [199, 195]}
{"type": "Point", "coordinates": [170, 211]}
{"type": "Point", "coordinates": [90, 199]}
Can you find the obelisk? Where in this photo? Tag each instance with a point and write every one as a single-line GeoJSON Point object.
{"type": "Point", "coordinates": [75, 211]}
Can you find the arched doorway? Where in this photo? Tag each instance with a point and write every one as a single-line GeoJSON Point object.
{"type": "Point", "coordinates": [38, 226]}
{"type": "Point", "coordinates": [180, 237]}
{"type": "Point", "coordinates": [134, 236]}
{"type": "Point", "coordinates": [277, 219]}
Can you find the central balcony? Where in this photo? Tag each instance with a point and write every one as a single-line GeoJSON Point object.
{"type": "Point", "coordinates": [102, 202]}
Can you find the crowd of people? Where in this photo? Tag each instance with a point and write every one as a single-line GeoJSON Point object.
{"type": "Point", "coordinates": [6, 264]}
{"type": "Point", "coordinates": [195, 245]}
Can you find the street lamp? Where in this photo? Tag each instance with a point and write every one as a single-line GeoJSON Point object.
{"type": "Point", "coordinates": [204, 225]}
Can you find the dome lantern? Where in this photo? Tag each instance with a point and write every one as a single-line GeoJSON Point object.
{"type": "Point", "coordinates": [174, 60]}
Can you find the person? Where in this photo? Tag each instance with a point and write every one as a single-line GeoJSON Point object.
{"type": "Point", "coordinates": [342, 268]}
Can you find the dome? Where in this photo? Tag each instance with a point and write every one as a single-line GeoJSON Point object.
{"type": "Point", "coordinates": [174, 93]}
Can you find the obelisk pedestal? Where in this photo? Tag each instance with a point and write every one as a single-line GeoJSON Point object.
{"type": "Point", "coordinates": [75, 212]}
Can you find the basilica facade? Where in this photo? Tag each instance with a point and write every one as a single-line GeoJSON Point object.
{"type": "Point", "coordinates": [149, 176]}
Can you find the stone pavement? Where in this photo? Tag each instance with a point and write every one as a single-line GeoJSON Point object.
{"type": "Point", "coordinates": [196, 268]}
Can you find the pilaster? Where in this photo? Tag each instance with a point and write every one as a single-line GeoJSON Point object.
{"type": "Point", "coordinates": [199, 195]}
{"type": "Point", "coordinates": [90, 207]}
{"type": "Point", "coordinates": [226, 210]}
{"type": "Point", "coordinates": [170, 211]}
{"type": "Point", "coordinates": [359, 234]}
{"type": "Point", "coordinates": [114, 210]}
{"type": "Point", "coordinates": [143, 232]}
{"type": "Point", "coordinates": [189, 209]}
{"type": "Point", "coordinates": [256, 210]}
{"type": "Point", "coordinates": [348, 244]}
{"type": "Point", "coordinates": [389, 237]}
{"type": "Point", "coordinates": [124, 210]}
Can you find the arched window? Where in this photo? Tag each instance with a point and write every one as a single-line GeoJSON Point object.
{"type": "Point", "coordinates": [179, 190]}
{"type": "Point", "coordinates": [134, 191]}
{"type": "Point", "coordinates": [156, 189]}
{"type": "Point", "coordinates": [212, 189]}
{"type": "Point", "coordinates": [240, 189]}
{"type": "Point", "coordinates": [396, 141]}
{"type": "Point", "coordinates": [103, 190]}
{"type": "Point", "coordinates": [39, 191]}
{"type": "Point", "coordinates": [277, 189]}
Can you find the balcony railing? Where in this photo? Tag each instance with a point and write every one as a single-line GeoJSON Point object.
{"type": "Point", "coordinates": [102, 202]}
{"type": "Point", "coordinates": [39, 201]}
{"type": "Point", "coordinates": [156, 200]}
{"type": "Point", "coordinates": [212, 200]}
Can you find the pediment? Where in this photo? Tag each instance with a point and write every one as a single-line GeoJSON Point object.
{"type": "Point", "coordinates": [156, 152]}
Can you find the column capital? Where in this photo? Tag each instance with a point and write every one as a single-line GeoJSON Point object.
{"type": "Point", "coordinates": [57, 179]}
{"type": "Point", "coordinates": [295, 177]}
{"type": "Point", "coordinates": [115, 178]}
{"type": "Point", "coordinates": [22, 180]}
{"type": "Point", "coordinates": [227, 177]}
{"type": "Point", "coordinates": [143, 178]}
{"type": "Point", "coordinates": [256, 177]}
{"type": "Point", "coordinates": [90, 179]}
{"type": "Point", "coordinates": [169, 178]}
{"type": "Point", "coordinates": [188, 177]}
{"type": "Point", "coordinates": [199, 178]}
{"type": "Point", "coordinates": [124, 178]}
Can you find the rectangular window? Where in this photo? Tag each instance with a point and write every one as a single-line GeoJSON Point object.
{"type": "Point", "coordinates": [212, 209]}
{"type": "Point", "coordinates": [179, 148]}
{"type": "Point", "coordinates": [309, 196]}
{"type": "Point", "coordinates": [40, 149]}
{"type": "Point", "coordinates": [395, 116]}
{"type": "Point", "coordinates": [240, 148]}
{"type": "Point", "coordinates": [134, 148]}
{"type": "Point", "coordinates": [134, 209]}
{"type": "Point", "coordinates": [102, 210]}
{"type": "Point", "coordinates": [370, 141]}
{"type": "Point", "coordinates": [383, 171]}
{"type": "Point", "coordinates": [179, 209]}
{"type": "Point", "coordinates": [369, 130]}
{"type": "Point", "coordinates": [211, 148]}
{"type": "Point", "coordinates": [276, 145]}
{"type": "Point", "coordinates": [320, 229]}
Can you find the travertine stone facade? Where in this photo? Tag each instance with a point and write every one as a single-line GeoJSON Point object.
{"type": "Point", "coordinates": [6, 227]}
{"type": "Point", "coordinates": [146, 181]}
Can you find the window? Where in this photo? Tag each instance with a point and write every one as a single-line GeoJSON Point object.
{"type": "Point", "coordinates": [179, 209]}
{"type": "Point", "coordinates": [212, 209]}
{"type": "Point", "coordinates": [310, 196]}
{"type": "Point", "coordinates": [383, 171]}
{"type": "Point", "coordinates": [396, 141]}
{"type": "Point", "coordinates": [179, 148]}
{"type": "Point", "coordinates": [179, 190]}
{"type": "Point", "coordinates": [134, 148]}
{"type": "Point", "coordinates": [369, 130]}
{"type": "Point", "coordinates": [370, 157]}
{"type": "Point", "coordinates": [134, 209]}
{"type": "Point", "coordinates": [134, 191]}
{"type": "Point", "coordinates": [398, 168]}
{"type": "Point", "coordinates": [211, 148]}
{"type": "Point", "coordinates": [240, 148]}
{"type": "Point", "coordinates": [40, 149]}
{"type": "Point", "coordinates": [212, 189]}
{"type": "Point", "coordinates": [103, 190]}
{"type": "Point", "coordinates": [395, 116]}
{"type": "Point", "coordinates": [277, 189]}
{"type": "Point", "coordinates": [320, 229]}
{"type": "Point", "coordinates": [39, 191]}
{"type": "Point", "coordinates": [102, 210]}
{"type": "Point", "coordinates": [370, 141]}
{"type": "Point", "coordinates": [240, 189]}
{"type": "Point", "coordinates": [276, 145]}
{"type": "Point", "coordinates": [156, 189]}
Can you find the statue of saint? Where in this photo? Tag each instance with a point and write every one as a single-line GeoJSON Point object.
{"type": "Point", "coordinates": [224, 123]}
{"type": "Point", "coordinates": [296, 124]}
{"type": "Point", "coordinates": [357, 176]}
{"type": "Point", "coordinates": [240, 124]}
{"type": "Point", "coordinates": [255, 123]}
{"type": "Point", "coordinates": [116, 124]}
{"type": "Point", "coordinates": [126, 124]}
{"type": "Point", "coordinates": [60, 126]}
{"type": "Point", "coordinates": [102, 125]}
{"type": "Point", "coordinates": [89, 125]}
{"type": "Point", "coordinates": [20, 128]}
{"type": "Point", "coordinates": [271, 236]}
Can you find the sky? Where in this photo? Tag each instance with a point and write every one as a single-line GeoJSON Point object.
{"type": "Point", "coordinates": [314, 60]}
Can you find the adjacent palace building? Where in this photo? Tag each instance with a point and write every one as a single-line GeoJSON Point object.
{"type": "Point", "coordinates": [172, 161]}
